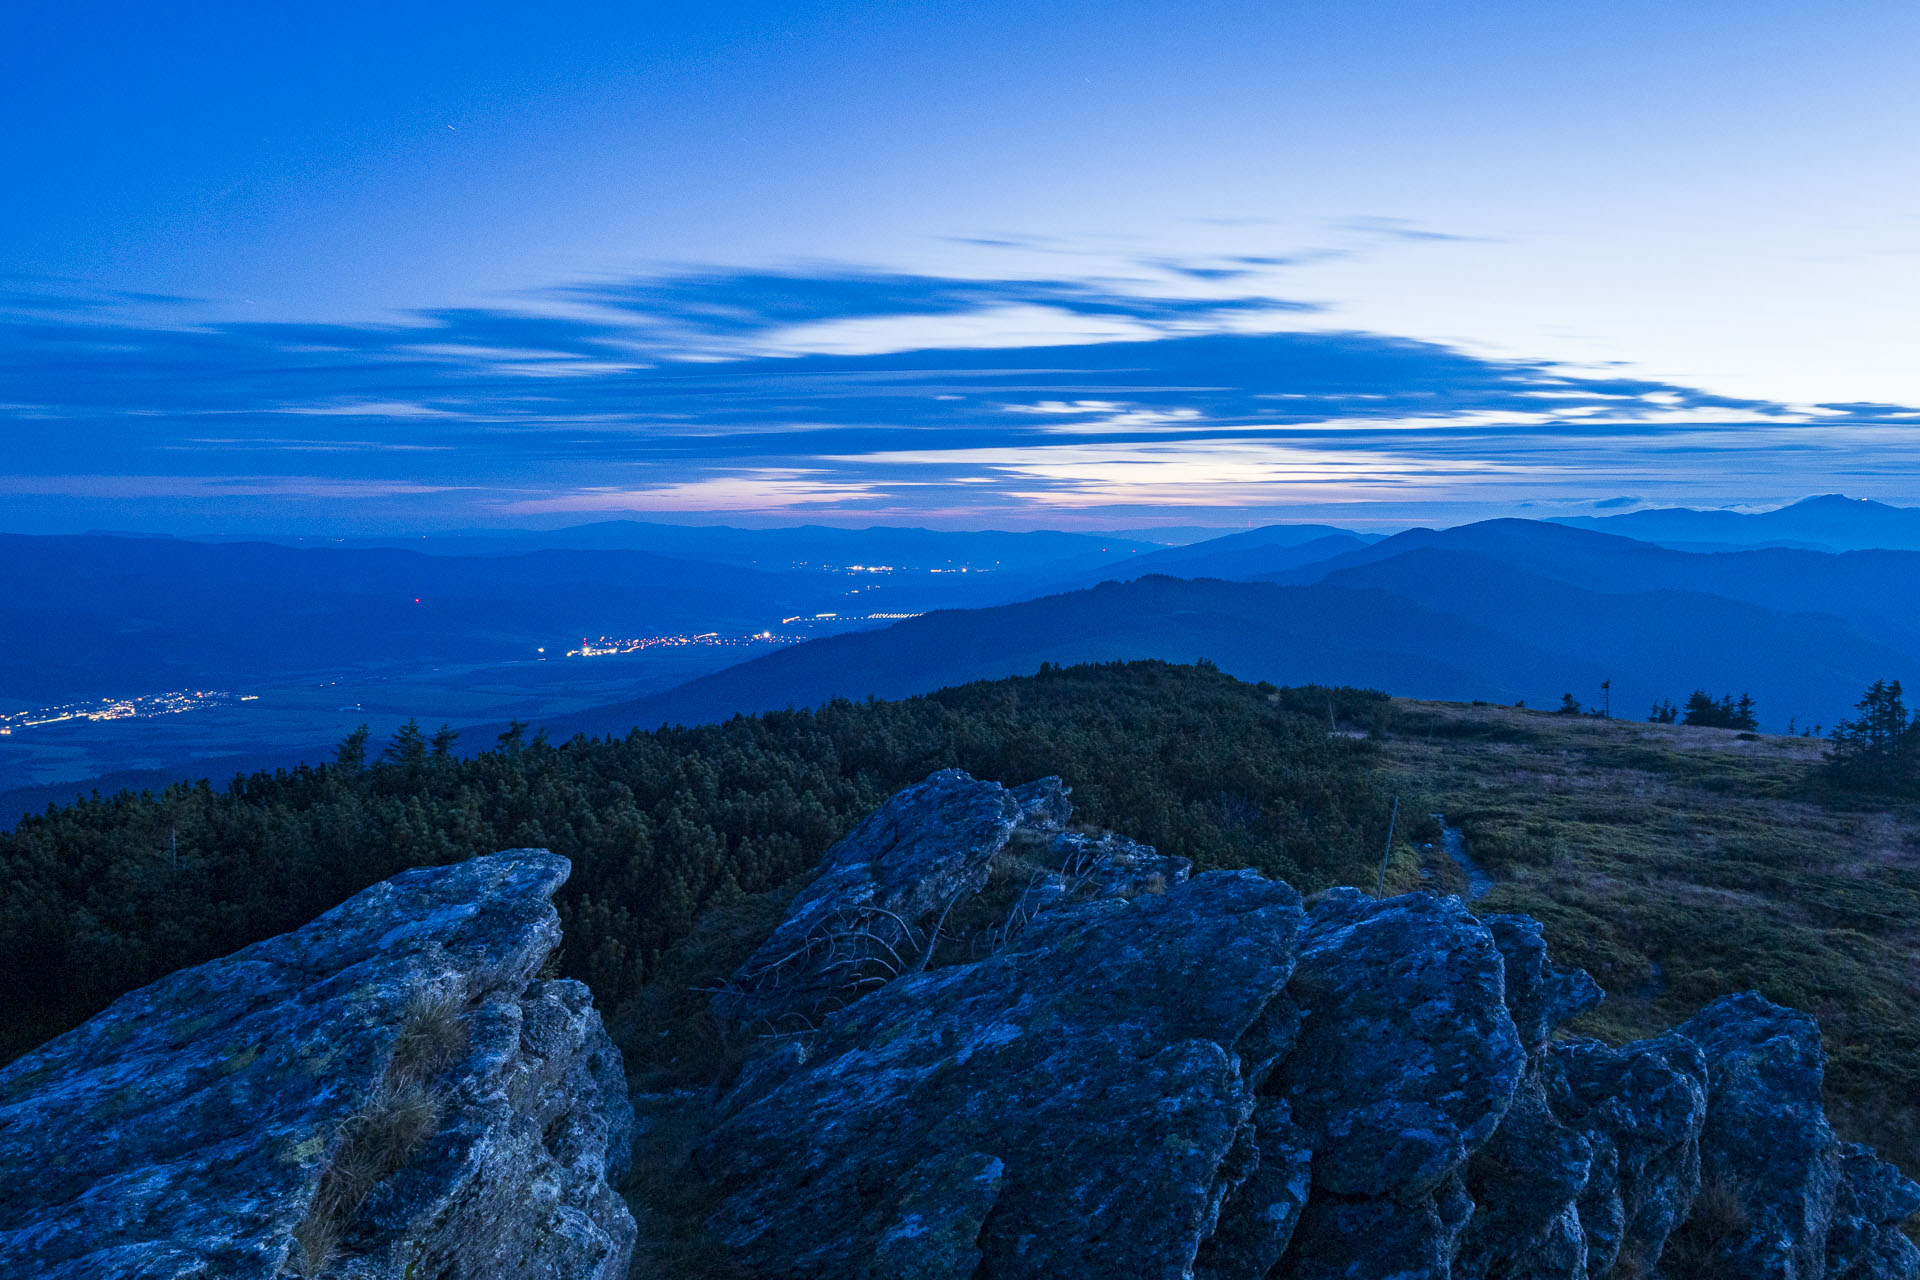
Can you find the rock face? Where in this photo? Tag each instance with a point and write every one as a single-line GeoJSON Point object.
{"type": "Point", "coordinates": [924, 1083]}
{"type": "Point", "coordinates": [388, 1092]}
{"type": "Point", "coordinates": [1108, 1069]}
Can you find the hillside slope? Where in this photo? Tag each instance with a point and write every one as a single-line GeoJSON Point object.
{"type": "Point", "coordinates": [1428, 622]}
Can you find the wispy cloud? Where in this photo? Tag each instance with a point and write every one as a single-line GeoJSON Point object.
{"type": "Point", "coordinates": [1402, 229]}
{"type": "Point", "coordinates": [859, 393]}
{"type": "Point", "coordinates": [748, 489]}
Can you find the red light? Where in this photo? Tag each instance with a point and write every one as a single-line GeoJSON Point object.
{"type": "Point", "coordinates": [416, 599]}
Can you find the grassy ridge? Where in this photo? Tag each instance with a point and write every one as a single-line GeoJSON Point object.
{"type": "Point", "coordinates": [1678, 864]}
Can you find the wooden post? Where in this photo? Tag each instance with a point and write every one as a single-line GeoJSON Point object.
{"type": "Point", "coordinates": [1380, 889]}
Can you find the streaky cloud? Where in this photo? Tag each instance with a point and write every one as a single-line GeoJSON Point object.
{"type": "Point", "coordinates": [860, 393]}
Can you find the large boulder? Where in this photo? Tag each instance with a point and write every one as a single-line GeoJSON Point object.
{"type": "Point", "coordinates": [1407, 1061]}
{"type": "Point", "coordinates": [1639, 1109]}
{"type": "Point", "coordinates": [887, 893]}
{"type": "Point", "coordinates": [1407, 1057]}
{"type": "Point", "coordinates": [1064, 1107]}
{"type": "Point", "coordinates": [872, 911]}
{"type": "Point", "coordinates": [1781, 1198]}
{"type": "Point", "coordinates": [390, 1091]}
{"type": "Point", "coordinates": [1549, 1189]}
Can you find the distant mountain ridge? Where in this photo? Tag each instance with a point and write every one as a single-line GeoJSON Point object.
{"type": "Point", "coordinates": [1869, 590]}
{"type": "Point", "coordinates": [1241, 556]}
{"type": "Point", "coordinates": [1827, 522]}
{"type": "Point", "coordinates": [774, 549]}
{"type": "Point", "coordinates": [1433, 621]}
{"type": "Point", "coordinates": [1501, 610]}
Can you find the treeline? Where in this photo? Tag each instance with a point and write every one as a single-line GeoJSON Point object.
{"type": "Point", "coordinates": [102, 896]}
{"type": "Point", "coordinates": [1702, 709]}
{"type": "Point", "coordinates": [1877, 750]}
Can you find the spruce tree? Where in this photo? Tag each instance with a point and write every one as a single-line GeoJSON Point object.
{"type": "Point", "coordinates": [1880, 749]}
{"type": "Point", "coordinates": [351, 754]}
{"type": "Point", "coordinates": [409, 745]}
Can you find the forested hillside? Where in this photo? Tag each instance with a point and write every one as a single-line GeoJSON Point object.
{"type": "Point", "coordinates": [101, 897]}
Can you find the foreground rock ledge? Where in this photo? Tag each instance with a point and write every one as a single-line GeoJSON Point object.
{"type": "Point", "coordinates": [1117, 1071]}
{"type": "Point", "coordinates": [200, 1124]}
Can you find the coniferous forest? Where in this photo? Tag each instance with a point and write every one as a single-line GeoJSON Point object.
{"type": "Point", "coordinates": [104, 896]}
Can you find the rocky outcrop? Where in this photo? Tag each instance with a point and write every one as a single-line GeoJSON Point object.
{"type": "Point", "coordinates": [391, 1091]}
{"type": "Point", "coordinates": [1817, 1210]}
{"type": "Point", "coordinates": [1108, 1069]}
{"type": "Point", "coordinates": [983, 1043]}
{"type": "Point", "coordinates": [884, 894]}
{"type": "Point", "coordinates": [897, 1116]}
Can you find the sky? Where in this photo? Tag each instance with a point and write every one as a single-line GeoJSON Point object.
{"type": "Point", "coordinates": [382, 267]}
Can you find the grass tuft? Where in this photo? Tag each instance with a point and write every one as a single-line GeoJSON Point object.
{"type": "Point", "coordinates": [433, 1034]}
{"type": "Point", "coordinates": [1718, 1220]}
{"type": "Point", "coordinates": [392, 1126]}
{"type": "Point", "coordinates": [316, 1243]}
{"type": "Point", "coordinates": [383, 1136]}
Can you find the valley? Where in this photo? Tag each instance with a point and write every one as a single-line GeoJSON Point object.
{"type": "Point", "coordinates": [597, 629]}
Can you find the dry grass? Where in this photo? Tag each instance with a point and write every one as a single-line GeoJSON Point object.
{"type": "Point", "coordinates": [394, 1124]}
{"type": "Point", "coordinates": [376, 1142]}
{"type": "Point", "coordinates": [1678, 864]}
{"type": "Point", "coordinates": [316, 1244]}
{"type": "Point", "coordinates": [384, 1134]}
{"type": "Point", "coordinates": [1718, 1220]}
{"type": "Point", "coordinates": [433, 1034]}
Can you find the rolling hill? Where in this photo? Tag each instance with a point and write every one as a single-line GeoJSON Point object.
{"type": "Point", "coordinates": [1434, 623]}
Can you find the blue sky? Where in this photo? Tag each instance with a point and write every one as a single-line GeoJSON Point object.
{"type": "Point", "coordinates": [400, 266]}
